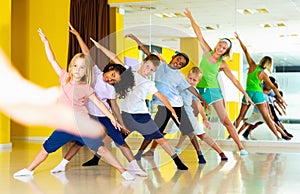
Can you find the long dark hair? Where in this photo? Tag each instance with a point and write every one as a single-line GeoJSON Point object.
{"type": "Point", "coordinates": [127, 79]}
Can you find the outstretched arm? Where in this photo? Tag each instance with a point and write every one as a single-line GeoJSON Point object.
{"type": "Point", "coordinates": [101, 106]}
{"type": "Point", "coordinates": [194, 91]}
{"type": "Point", "coordinates": [116, 110]}
{"type": "Point", "coordinates": [50, 55]}
{"type": "Point", "coordinates": [267, 80]}
{"type": "Point", "coordinates": [82, 44]}
{"type": "Point", "coordinates": [205, 47]}
{"type": "Point", "coordinates": [224, 66]}
{"type": "Point", "coordinates": [250, 61]}
{"type": "Point", "coordinates": [107, 52]}
{"type": "Point", "coordinates": [166, 102]}
{"type": "Point", "coordinates": [160, 57]}
{"type": "Point", "coordinates": [140, 44]}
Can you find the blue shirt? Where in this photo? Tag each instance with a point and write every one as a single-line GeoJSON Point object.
{"type": "Point", "coordinates": [169, 81]}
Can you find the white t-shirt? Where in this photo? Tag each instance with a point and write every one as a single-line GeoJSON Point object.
{"type": "Point", "coordinates": [103, 91]}
{"type": "Point", "coordinates": [134, 102]}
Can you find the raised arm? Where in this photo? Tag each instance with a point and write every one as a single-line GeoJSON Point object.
{"type": "Point", "coordinates": [250, 61]}
{"type": "Point", "coordinates": [166, 102]}
{"type": "Point", "coordinates": [108, 53]}
{"type": "Point", "coordinates": [160, 57]}
{"type": "Point", "coordinates": [140, 44]}
{"type": "Point", "coordinates": [85, 49]}
{"type": "Point", "coordinates": [205, 47]}
{"type": "Point", "coordinates": [224, 66]}
{"type": "Point", "coordinates": [50, 55]}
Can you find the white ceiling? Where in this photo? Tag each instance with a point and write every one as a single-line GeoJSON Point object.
{"type": "Point", "coordinates": [222, 15]}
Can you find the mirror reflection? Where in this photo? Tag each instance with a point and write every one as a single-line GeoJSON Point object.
{"type": "Point", "coordinates": [266, 29]}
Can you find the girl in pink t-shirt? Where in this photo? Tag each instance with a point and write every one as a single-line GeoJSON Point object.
{"type": "Point", "coordinates": [75, 89]}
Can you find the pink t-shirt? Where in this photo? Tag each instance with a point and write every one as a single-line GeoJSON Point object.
{"type": "Point", "coordinates": [74, 94]}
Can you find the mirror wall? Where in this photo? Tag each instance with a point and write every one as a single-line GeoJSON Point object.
{"type": "Point", "coordinates": [266, 27]}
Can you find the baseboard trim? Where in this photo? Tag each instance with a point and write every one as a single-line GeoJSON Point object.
{"type": "Point", "coordinates": [5, 147]}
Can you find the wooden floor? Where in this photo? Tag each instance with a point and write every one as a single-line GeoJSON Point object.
{"type": "Point", "coordinates": [262, 171]}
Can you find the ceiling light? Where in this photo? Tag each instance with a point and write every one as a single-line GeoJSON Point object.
{"type": "Point", "coordinates": [262, 10]}
{"type": "Point", "coordinates": [281, 25]}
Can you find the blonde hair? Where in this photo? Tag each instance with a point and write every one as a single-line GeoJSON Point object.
{"type": "Point", "coordinates": [266, 63]}
{"type": "Point", "coordinates": [195, 70]}
{"type": "Point", "coordinates": [88, 77]}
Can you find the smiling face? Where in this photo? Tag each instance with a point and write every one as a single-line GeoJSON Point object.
{"type": "Point", "coordinates": [221, 48]}
{"type": "Point", "coordinates": [111, 77]}
{"type": "Point", "coordinates": [147, 69]}
{"type": "Point", "coordinates": [177, 62]}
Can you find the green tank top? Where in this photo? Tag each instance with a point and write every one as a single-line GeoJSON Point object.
{"type": "Point", "coordinates": [253, 84]}
{"type": "Point", "coordinates": [209, 73]}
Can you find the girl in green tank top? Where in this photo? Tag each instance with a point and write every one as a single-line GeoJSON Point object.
{"type": "Point", "coordinates": [210, 73]}
{"type": "Point", "coordinates": [211, 64]}
{"type": "Point", "coordinates": [256, 75]}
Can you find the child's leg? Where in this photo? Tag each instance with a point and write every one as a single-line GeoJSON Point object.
{"type": "Point", "coordinates": [39, 158]}
{"type": "Point", "coordinates": [95, 160]}
{"type": "Point", "coordinates": [243, 127]}
{"type": "Point", "coordinates": [242, 113]}
{"type": "Point", "coordinates": [179, 144]}
{"type": "Point", "coordinates": [207, 139]}
{"type": "Point", "coordinates": [264, 112]}
{"type": "Point", "coordinates": [168, 148]}
{"type": "Point", "coordinates": [112, 160]}
{"type": "Point", "coordinates": [161, 119]}
{"type": "Point", "coordinates": [223, 116]}
{"type": "Point", "coordinates": [133, 166]}
{"type": "Point", "coordinates": [61, 167]}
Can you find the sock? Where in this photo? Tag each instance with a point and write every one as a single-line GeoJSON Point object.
{"type": "Point", "coordinates": [223, 156]}
{"type": "Point", "coordinates": [245, 134]}
{"type": "Point", "coordinates": [201, 157]}
{"type": "Point", "coordinates": [139, 154]}
{"type": "Point", "coordinates": [287, 133]}
{"type": "Point", "coordinates": [92, 162]}
{"type": "Point", "coordinates": [179, 163]}
{"type": "Point", "coordinates": [61, 167]}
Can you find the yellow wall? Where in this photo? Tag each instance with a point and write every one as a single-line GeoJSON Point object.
{"type": "Point", "coordinates": [5, 45]}
{"type": "Point", "coordinates": [28, 51]}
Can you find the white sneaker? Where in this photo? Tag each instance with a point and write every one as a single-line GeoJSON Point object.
{"type": "Point", "coordinates": [23, 172]}
{"type": "Point", "coordinates": [127, 176]}
{"type": "Point", "coordinates": [177, 151]}
{"type": "Point", "coordinates": [58, 169]}
{"type": "Point", "coordinates": [134, 168]}
{"type": "Point", "coordinates": [243, 152]}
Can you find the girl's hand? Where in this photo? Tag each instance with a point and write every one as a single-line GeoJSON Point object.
{"type": "Point", "coordinates": [72, 29]}
{"type": "Point", "coordinates": [188, 13]}
{"type": "Point", "coordinates": [207, 124]}
{"type": "Point", "coordinates": [42, 35]}
{"type": "Point", "coordinates": [248, 100]}
{"type": "Point", "coordinates": [125, 130]}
